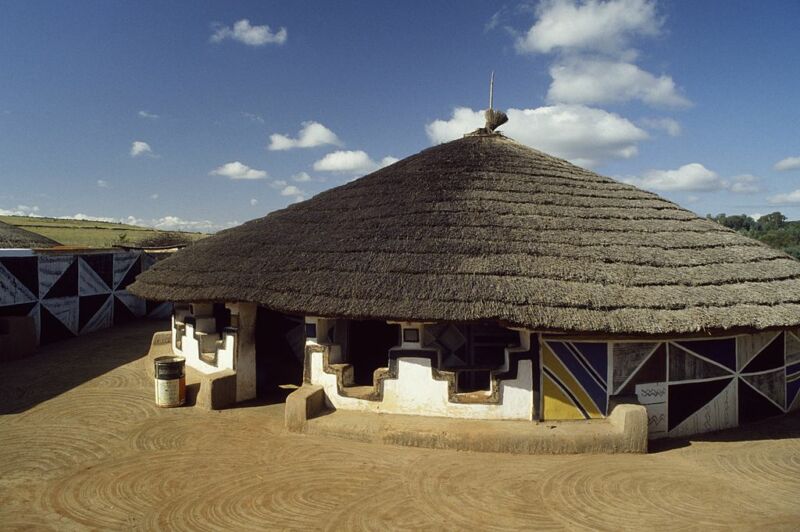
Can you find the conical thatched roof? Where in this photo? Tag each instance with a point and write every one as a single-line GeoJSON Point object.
{"type": "Point", "coordinates": [485, 228]}
{"type": "Point", "coordinates": [15, 237]}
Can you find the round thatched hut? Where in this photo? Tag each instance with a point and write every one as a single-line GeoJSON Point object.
{"type": "Point", "coordinates": [484, 279]}
{"type": "Point", "coordinates": [13, 237]}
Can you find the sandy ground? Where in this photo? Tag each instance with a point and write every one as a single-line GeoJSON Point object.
{"type": "Point", "coordinates": [82, 446]}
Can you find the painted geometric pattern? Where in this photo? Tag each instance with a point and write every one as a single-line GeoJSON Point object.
{"type": "Point", "coordinates": [706, 385]}
{"type": "Point", "coordinates": [793, 387]}
{"type": "Point", "coordinates": [574, 376]}
{"type": "Point", "coordinates": [67, 295]}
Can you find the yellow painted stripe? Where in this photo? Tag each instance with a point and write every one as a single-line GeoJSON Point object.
{"type": "Point", "coordinates": [558, 369]}
{"type": "Point", "coordinates": [557, 405]}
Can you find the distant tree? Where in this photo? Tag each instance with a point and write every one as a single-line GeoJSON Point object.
{"type": "Point", "coordinates": [772, 221]}
{"type": "Point", "coordinates": [737, 222]}
{"type": "Point", "coordinates": [772, 229]}
{"type": "Point", "coordinates": [164, 239]}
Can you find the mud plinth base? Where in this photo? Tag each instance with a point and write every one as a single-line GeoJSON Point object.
{"type": "Point", "coordinates": [624, 431]}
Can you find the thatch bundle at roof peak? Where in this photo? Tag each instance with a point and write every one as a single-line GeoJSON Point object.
{"type": "Point", "coordinates": [486, 228]}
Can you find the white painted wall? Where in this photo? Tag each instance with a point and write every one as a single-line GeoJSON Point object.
{"type": "Point", "coordinates": [415, 392]}
{"type": "Point", "coordinates": [190, 350]}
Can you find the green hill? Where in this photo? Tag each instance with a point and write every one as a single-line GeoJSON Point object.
{"type": "Point", "coordinates": [90, 233]}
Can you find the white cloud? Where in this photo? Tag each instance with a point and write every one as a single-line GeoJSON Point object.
{"type": "Point", "coordinates": [278, 183]}
{"type": "Point", "coordinates": [311, 135]}
{"type": "Point", "coordinates": [350, 161]}
{"type": "Point", "coordinates": [568, 25]}
{"type": "Point", "coordinates": [102, 183]}
{"type": "Point", "coordinates": [139, 147]}
{"type": "Point", "coordinates": [153, 196]}
{"type": "Point", "coordinates": [790, 163]}
{"type": "Point", "coordinates": [693, 177]}
{"type": "Point", "coordinates": [301, 177]}
{"type": "Point", "coordinates": [237, 170]}
{"type": "Point", "coordinates": [148, 115]}
{"type": "Point", "coordinates": [785, 198]}
{"type": "Point", "coordinates": [253, 202]}
{"type": "Point", "coordinates": [291, 190]}
{"type": "Point", "coordinates": [584, 135]}
{"type": "Point", "coordinates": [386, 161]}
{"type": "Point", "coordinates": [590, 81]}
{"type": "Point", "coordinates": [243, 32]}
{"type": "Point", "coordinates": [595, 63]}
{"type": "Point", "coordinates": [671, 126]}
{"type": "Point", "coordinates": [21, 210]}
{"type": "Point", "coordinates": [87, 217]}
{"type": "Point", "coordinates": [745, 184]}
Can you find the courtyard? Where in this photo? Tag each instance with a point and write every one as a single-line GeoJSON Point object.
{"type": "Point", "coordinates": [83, 446]}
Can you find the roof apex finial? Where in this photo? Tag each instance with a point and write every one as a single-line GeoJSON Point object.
{"type": "Point", "coordinates": [494, 119]}
{"type": "Point", "coordinates": [491, 91]}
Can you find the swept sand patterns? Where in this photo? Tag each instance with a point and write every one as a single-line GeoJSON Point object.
{"type": "Point", "coordinates": [83, 447]}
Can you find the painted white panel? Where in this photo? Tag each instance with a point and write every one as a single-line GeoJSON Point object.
{"type": "Point", "coordinates": [89, 283]}
{"type": "Point", "coordinates": [651, 392]}
{"type": "Point", "coordinates": [656, 419]}
{"type": "Point", "coordinates": [12, 291]}
{"type": "Point", "coordinates": [37, 321]}
{"type": "Point", "coordinates": [123, 263]}
{"type": "Point", "coordinates": [719, 413]}
{"type": "Point", "coordinates": [51, 267]}
{"type": "Point", "coordinates": [65, 309]}
{"type": "Point", "coordinates": [134, 304]}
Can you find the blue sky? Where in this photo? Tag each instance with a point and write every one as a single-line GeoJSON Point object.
{"type": "Point", "coordinates": [168, 113]}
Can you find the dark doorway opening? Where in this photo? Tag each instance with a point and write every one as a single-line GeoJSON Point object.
{"type": "Point", "coordinates": [366, 347]}
{"type": "Point", "coordinates": [280, 345]}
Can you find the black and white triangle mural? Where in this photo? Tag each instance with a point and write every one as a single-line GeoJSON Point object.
{"type": "Point", "coordinates": [67, 294]}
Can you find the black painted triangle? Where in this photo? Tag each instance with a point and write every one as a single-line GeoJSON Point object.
{"type": "Point", "coordinates": [21, 309]}
{"type": "Point", "coordinates": [26, 270]}
{"type": "Point", "coordinates": [103, 265]}
{"type": "Point", "coordinates": [122, 314]}
{"type": "Point", "coordinates": [753, 406]}
{"type": "Point", "coordinates": [653, 370]}
{"type": "Point", "coordinates": [720, 351]}
{"type": "Point", "coordinates": [88, 307]}
{"type": "Point", "coordinates": [772, 385]}
{"type": "Point", "coordinates": [67, 284]}
{"type": "Point", "coordinates": [135, 269]}
{"type": "Point", "coordinates": [771, 357]}
{"type": "Point", "coordinates": [686, 399]}
{"type": "Point", "coordinates": [150, 306]}
{"type": "Point", "coordinates": [51, 328]}
{"type": "Point", "coordinates": [684, 366]}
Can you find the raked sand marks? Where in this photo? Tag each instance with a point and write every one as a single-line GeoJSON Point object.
{"type": "Point", "coordinates": [269, 495]}
{"type": "Point", "coordinates": [444, 485]}
{"type": "Point", "coordinates": [51, 449]}
{"type": "Point", "coordinates": [118, 492]}
{"type": "Point", "coordinates": [657, 493]}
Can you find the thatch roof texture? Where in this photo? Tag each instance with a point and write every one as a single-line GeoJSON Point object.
{"type": "Point", "coordinates": [15, 237]}
{"type": "Point", "coordinates": [485, 228]}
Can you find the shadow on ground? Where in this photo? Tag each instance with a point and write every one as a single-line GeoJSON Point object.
{"type": "Point", "coordinates": [782, 427]}
{"type": "Point", "coordinates": [59, 367]}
